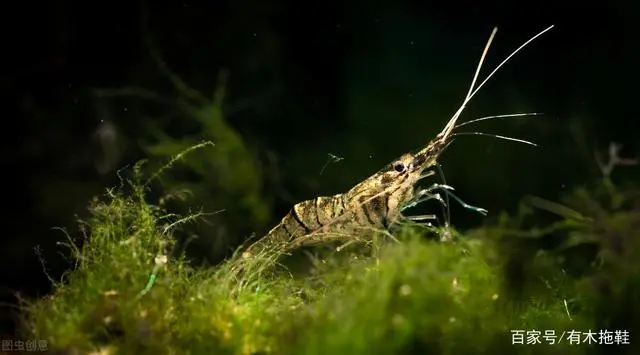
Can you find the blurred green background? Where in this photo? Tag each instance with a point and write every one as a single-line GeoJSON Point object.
{"type": "Point", "coordinates": [279, 86]}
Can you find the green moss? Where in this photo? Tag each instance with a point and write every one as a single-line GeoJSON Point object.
{"type": "Point", "coordinates": [131, 292]}
{"type": "Point", "coordinates": [428, 297]}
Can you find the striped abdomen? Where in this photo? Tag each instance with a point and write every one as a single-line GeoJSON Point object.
{"type": "Point", "coordinates": [320, 220]}
{"type": "Point", "coordinates": [304, 220]}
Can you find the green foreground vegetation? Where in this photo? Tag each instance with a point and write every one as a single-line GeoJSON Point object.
{"type": "Point", "coordinates": [133, 292]}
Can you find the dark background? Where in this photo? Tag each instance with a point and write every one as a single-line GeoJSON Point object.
{"type": "Point", "coordinates": [365, 81]}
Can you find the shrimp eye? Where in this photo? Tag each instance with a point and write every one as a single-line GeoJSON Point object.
{"type": "Point", "coordinates": [399, 167]}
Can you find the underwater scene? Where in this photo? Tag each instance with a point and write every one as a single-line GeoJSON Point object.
{"type": "Point", "coordinates": [246, 177]}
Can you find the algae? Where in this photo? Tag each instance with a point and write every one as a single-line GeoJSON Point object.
{"type": "Point", "coordinates": [133, 290]}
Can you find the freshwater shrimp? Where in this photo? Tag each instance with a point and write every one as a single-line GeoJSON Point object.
{"type": "Point", "coordinates": [378, 201]}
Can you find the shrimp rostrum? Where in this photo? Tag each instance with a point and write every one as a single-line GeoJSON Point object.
{"type": "Point", "coordinates": [378, 201]}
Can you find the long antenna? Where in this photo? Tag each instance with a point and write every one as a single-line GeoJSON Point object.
{"type": "Point", "coordinates": [472, 92]}
{"type": "Point", "coordinates": [449, 127]}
